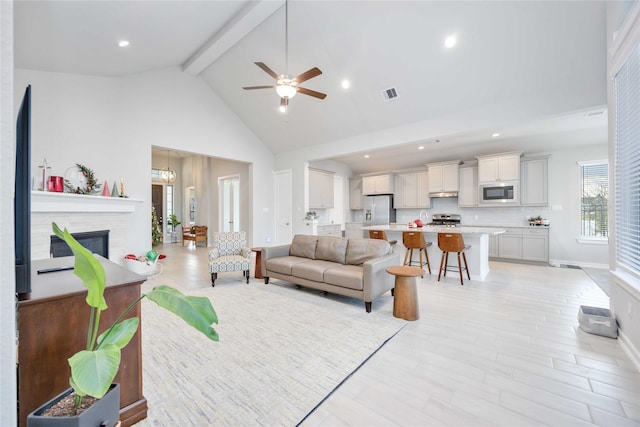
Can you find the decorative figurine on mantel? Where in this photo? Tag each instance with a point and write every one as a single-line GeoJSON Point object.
{"type": "Point", "coordinates": [122, 193]}
{"type": "Point", "coordinates": [46, 169]}
{"type": "Point", "coordinates": [114, 190]}
{"type": "Point", "coordinates": [105, 190]}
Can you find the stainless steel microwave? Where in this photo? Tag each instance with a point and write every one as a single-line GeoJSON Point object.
{"type": "Point", "coordinates": [500, 193]}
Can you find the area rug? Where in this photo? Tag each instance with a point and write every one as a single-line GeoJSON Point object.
{"type": "Point", "coordinates": [282, 350]}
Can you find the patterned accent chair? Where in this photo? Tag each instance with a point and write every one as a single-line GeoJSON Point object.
{"type": "Point", "coordinates": [229, 253]}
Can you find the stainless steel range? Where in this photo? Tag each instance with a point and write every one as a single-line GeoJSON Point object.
{"type": "Point", "coordinates": [448, 220]}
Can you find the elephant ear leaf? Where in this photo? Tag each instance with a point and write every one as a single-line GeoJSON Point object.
{"type": "Point", "coordinates": [87, 268]}
{"type": "Point", "coordinates": [196, 311]}
{"type": "Point", "coordinates": [92, 372]}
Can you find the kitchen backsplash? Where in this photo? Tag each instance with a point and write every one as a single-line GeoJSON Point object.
{"type": "Point", "coordinates": [503, 216]}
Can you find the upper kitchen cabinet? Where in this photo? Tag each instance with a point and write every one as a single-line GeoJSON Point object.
{"type": "Point", "coordinates": [499, 167]}
{"type": "Point", "coordinates": [377, 184]}
{"type": "Point", "coordinates": [468, 194]}
{"type": "Point", "coordinates": [355, 193]}
{"type": "Point", "coordinates": [443, 177]}
{"type": "Point", "coordinates": [320, 189]}
{"type": "Point", "coordinates": [534, 184]}
{"type": "Point", "coordinates": [412, 190]}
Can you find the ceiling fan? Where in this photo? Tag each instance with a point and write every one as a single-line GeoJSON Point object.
{"type": "Point", "coordinates": [287, 86]}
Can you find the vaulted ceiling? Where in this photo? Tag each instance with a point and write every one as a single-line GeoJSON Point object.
{"type": "Point", "coordinates": [534, 72]}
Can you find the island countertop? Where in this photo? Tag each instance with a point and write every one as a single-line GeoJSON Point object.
{"type": "Point", "coordinates": [438, 229]}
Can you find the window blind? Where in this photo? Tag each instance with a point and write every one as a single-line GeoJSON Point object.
{"type": "Point", "coordinates": [627, 157]}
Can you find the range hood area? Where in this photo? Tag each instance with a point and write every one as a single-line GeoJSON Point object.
{"type": "Point", "coordinates": [444, 194]}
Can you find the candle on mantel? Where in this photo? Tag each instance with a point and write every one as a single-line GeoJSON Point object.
{"type": "Point", "coordinates": [45, 173]}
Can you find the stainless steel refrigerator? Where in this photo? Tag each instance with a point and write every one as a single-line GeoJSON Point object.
{"type": "Point", "coordinates": [378, 210]}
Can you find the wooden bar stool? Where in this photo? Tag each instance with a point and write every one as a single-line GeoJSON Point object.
{"type": "Point", "coordinates": [381, 235]}
{"type": "Point", "coordinates": [452, 242]}
{"type": "Point", "coordinates": [415, 240]}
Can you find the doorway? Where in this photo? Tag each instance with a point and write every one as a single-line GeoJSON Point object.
{"type": "Point", "coordinates": [229, 190]}
{"type": "Point", "coordinates": [157, 201]}
{"type": "Point", "coordinates": [283, 207]}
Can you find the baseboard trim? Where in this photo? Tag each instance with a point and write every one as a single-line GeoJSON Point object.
{"type": "Point", "coordinates": [629, 349]}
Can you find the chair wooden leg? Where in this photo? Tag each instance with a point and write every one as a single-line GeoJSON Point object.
{"type": "Point", "coordinates": [246, 273]}
{"type": "Point", "coordinates": [446, 263]}
{"type": "Point", "coordinates": [426, 255]}
{"type": "Point", "coordinates": [214, 276]}
{"type": "Point", "coordinates": [405, 257]}
{"type": "Point", "coordinates": [464, 257]}
{"type": "Point", "coordinates": [420, 253]}
{"type": "Point", "coordinates": [460, 268]}
{"type": "Point", "coordinates": [441, 264]}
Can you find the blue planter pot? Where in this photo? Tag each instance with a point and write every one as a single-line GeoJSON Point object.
{"type": "Point", "coordinates": [103, 413]}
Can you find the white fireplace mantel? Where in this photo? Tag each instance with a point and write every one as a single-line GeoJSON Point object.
{"type": "Point", "coordinates": [44, 201]}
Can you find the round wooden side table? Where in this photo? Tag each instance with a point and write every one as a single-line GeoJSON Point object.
{"type": "Point", "coordinates": [258, 273]}
{"type": "Point", "coordinates": [405, 299]}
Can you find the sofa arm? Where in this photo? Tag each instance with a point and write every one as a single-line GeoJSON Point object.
{"type": "Point", "coordinates": [213, 254]}
{"type": "Point", "coordinates": [272, 252]}
{"type": "Point", "coordinates": [376, 279]}
{"type": "Point", "coordinates": [245, 252]}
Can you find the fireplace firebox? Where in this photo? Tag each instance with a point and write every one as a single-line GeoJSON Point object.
{"type": "Point", "coordinates": [96, 241]}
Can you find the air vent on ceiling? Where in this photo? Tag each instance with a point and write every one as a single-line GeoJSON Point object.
{"type": "Point", "coordinates": [389, 94]}
{"type": "Point", "coordinates": [594, 113]}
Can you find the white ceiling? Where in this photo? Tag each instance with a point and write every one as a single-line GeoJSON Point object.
{"type": "Point", "coordinates": [528, 70]}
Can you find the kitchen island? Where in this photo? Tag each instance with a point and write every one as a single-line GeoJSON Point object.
{"type": "Point", "coordinates": [476, 237]}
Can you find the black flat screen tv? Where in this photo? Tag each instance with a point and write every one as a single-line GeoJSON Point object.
{"type": "Point", "coordinates": [22, 198]}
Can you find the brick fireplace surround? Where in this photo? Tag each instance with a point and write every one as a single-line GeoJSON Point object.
{"type": "Point", "coordinates": [80, 213]}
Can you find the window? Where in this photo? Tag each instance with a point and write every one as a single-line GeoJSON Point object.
{"type": "Point", "coordinates": [594, 196]}
{"type": "Point", "coordinates": [627, 166]}
{"type": "Point", "coordinates": [169, 207]}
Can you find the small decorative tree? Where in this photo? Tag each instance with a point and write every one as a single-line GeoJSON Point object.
{"type": "Point", "coordinates": [156, 231]}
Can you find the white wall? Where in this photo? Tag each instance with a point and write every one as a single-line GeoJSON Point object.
{"type": "Point", "coordinates": [7, 263]}
{"type": "Point", "coordinates": [110, 124]}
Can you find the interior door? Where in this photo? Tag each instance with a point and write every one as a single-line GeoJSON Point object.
{"type": "Point", "coordinates": [157, 201]}
{"type": "Point", "coordinates": [283, 208]}
{"type": "Point", "coordinates": [230, 203]}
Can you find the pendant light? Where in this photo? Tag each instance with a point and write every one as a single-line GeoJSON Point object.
{"type": "Point", "coordinates": [168, 175]}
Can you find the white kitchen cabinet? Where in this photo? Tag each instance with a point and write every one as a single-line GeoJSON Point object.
{"type": "Point", "coordinates": [499, 168]}
{"type": "Point", "coordinates": [334, 230]}
{"type": "Point", "coordinates": [411, 190]}
{"type": "Point", "coordinates": [443, 177]}
{"type": "Point", "coordinates": [468, 194]}
{"type": "Point", "coordinates": [377, 184]}
{"type": "Point", "coordinates": [353, 230]}
{"type": "Point", "coordinates": [355, 194]}
{"type": "Point", "coordinates": [534, 184]}
{"type": "Point", "coordinates": [320, 189]}
{"type": "Point", "coordinates": [535, 244]}
{"type": "Point", "coordinates": [510, 244]}
{"type": "Point", "coordinates": [493, 246]}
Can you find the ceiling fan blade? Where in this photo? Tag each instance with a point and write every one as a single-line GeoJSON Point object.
{"type": "Point", "coordinates": [312, 93]}
{"type": "Point", "coordinates": [267, 70]}
{"type": "Point", "coordinates": [258, 87]}
{"type": "Point", "coordinates": [314, 72]}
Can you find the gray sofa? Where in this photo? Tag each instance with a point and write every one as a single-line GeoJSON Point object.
{"type": "Point", "coordinates": [351, 267]}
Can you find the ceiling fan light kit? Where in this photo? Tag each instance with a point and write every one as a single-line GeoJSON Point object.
{"type": "Point", "coordinates": [286, 87]}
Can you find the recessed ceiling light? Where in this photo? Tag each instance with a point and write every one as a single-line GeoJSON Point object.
{"type": "Point", "coordinates": [450, 41]}
{"type": "Point", "coordinates": [123, 43]}
{"type": "Point", "coordinates": [366, 156]}
{"type": "Point", "coordinates": [421, 147]}
{"type": "Point", "coordinates": [346, 84]}
{"type": "Point", "coordinates": [495, 135]}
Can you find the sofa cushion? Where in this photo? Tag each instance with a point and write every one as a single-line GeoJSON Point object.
{"type": "Point", "coordinates": [361, 250]}
{"type": "Point", "coordinates": [303, 246]}
{"type": "Point", "coordinates": [312, 270]}
{"type": "Point", "coordinates": [284, 265]}
{"type": "Point", "coordinates": [346, 276]}
{"type": "Point", "coordinates": [332, 248]}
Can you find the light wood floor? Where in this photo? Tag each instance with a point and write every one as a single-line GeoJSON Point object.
{"type": "Point", "coordinates": [505, 351]}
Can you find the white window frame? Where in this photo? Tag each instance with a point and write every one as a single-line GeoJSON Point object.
{"type": "Point", "coordinates": [593, 240]}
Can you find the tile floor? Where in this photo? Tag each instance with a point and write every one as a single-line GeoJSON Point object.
{"type": "Point", "coordinates": [505, 351]}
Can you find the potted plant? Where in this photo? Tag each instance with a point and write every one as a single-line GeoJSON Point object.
{"type": "Point", "coordinates": [94, 367]}
{"type": "Point", "coordinates": [174, 223]}
{"type": "Point", "coordinates": [538, 220]}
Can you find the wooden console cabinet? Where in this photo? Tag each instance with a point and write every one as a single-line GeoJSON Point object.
{"type": "Point", "coordinates": [52, 326]}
